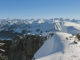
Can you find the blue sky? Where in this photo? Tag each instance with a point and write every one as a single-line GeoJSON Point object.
{"type": "Point", "coordinates": [40, 8]}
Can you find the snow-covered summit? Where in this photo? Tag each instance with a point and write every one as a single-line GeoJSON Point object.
{"type": "Point", "coordinates": [59, 48]}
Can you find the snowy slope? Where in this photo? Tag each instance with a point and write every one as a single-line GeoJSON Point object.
{"type": "Point", "coordinates": [72, 28]}
{"type": "Point", "coordinates": [58, 48]}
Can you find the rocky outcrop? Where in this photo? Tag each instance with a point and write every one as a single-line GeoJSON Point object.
{"type": "Point", "coordinates": [21, 47]}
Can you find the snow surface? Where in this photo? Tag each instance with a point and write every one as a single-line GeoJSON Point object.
{"type": "Point", "coordinates": [58, 48]}
{"type": "Point", "coordinates": [72, 28]}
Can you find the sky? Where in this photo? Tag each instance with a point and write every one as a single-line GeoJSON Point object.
{"type": "Point", "coordinates": [40, 9]}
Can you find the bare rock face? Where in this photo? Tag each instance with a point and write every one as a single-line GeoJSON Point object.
{"type": "Point", "coordinates": [21, 47]}
{"type": "Point", "coordinates": [4, 49]}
